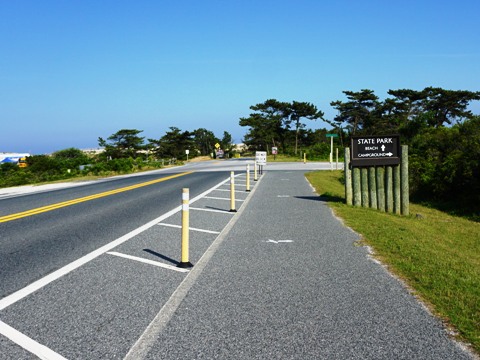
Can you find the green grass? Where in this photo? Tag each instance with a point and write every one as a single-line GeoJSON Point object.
{"type": "Point", "coordinates": [104, 175]}
{"type": "Point", "coordinates": [290, 158]}
{"type": "Point", "coordinates": [437, 255]}
{"type": "Point", "coordinates": [284, 158]}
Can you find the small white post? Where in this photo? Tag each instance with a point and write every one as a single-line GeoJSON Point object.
{"type": "Point", "coordinates": [232, 192]}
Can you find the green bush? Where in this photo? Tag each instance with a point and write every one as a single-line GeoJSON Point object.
{"type": "Point", "coordinates": [445, 165]}
{"type": "Point", "coordinates": [12, 175]}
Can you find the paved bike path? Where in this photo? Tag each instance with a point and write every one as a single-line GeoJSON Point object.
{"type": "Point", "coordinates": [289, 282]}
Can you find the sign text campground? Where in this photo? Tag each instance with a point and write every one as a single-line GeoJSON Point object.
{"type": "Point", "coordinates": [375, 150]}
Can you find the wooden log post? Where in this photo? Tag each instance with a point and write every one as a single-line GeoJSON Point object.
{"type": "Point", "coordinates": [364, 180]}
{"type": "Point", "coordinates": [357, 191]}
{"type": "Point", "coordinates": [372, 187]}
{"type": "Point", "coordinates": [348, 178]}
{"type": "Point", "coordinates": [380, 171]}
{"type": "Point", "coordinates": [389, 189]}
{"type": "Point", "coordinates": [404, 181]}
{"type": "Point", "coordinates": [396, 190]}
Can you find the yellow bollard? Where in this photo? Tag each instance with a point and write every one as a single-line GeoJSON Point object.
{"type": "Point", "coordinates": [232, 192]}
{"type": "Point", "coordinates": [304, 157]}
{"type": "Point", "coordinates": [184, 263]}
{"type": "Point", "coordinates": [248, 177]}
{"type": "Point", "coordinates": [255, 171]}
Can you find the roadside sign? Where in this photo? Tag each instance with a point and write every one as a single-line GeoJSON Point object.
{"type": "Point", "coordinates": [331, 135]}
{"type": "Point", "coordinates": [261, 157]}
{"type": "Point", "coordinates": [187, 152]}
{"type": "Point", "coordinates": [217, 145]}
{"type": "Point", "coordinates": [220, 154]}
{"type": "Point", "coordinates": [274, 150]}
{"type": "Point", "coordinates": [375, 150]}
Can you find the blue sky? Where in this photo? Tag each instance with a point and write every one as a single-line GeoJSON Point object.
{"type": "Point", "coordinates": [74, 70]}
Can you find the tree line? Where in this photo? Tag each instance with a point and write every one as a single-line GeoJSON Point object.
{"type": "Point", "coordinates": [442, 133]}
{"type": "Point", "coordinates": [125, 151]}
{"type": "Point", "coordinates": [127, 143]}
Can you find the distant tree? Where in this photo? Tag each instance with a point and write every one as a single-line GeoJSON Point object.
{"type": "Point", "coordinates": [405, 105]}
{"type": "Point", "coordinates": [42, 163]}
{"type": "Point", "coordinates": [443, 106]}
{"type": "Point", "coordinates": [448, 105]}
{"type": "Point", "coordinates": [273, 120]}
{"type": "Point", "coordinates": [309, 137]}
{"type": "Point", "coordinates": [173, 144]}
{"type": "Point", "coordinates": [70, 153]}
{"type": "Point", "coordinates": [123, 144]}
{"type": "Point", "coordinates": [227, 142]}
{"type": "Point", "coordinates": [204, 140]}
{"type": "Point", "coordinates": [254, 138]}
{"type": "Point", "coordinates": [71, 158]}
{"type": "Point", "coordinates": [273, 108]}
{"type": "Point", "coordinates": [298, 110]}
{"type": "Point", "coordinates": [358, 114]}
{"type": "Point", "coordinates": [267, 126]}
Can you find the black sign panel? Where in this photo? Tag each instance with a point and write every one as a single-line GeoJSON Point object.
{"type": "Point", "coordinates": [375, 150]}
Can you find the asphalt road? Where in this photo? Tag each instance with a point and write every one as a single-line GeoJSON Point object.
{"type": "Point", "coordinates": [33, 246]}
{"type": "Point", "coordinates": [289, 282]}
{"type": "Point", "coordinates": [281, 278]}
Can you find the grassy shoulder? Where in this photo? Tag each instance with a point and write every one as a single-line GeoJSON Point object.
{"type": "Point", "coordinates": [76, 176]}
{"type": "Point", "coordinates": [291, 158]}
{"type": "Point", "coordinates": [436, 254]}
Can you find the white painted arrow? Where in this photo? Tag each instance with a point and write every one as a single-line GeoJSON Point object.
{"type": "Point", "coordinates": [383, 147]}
{"type": "Point", "coordinates": [279, 241]}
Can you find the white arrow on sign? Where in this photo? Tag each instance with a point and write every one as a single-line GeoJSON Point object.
{"type": "Point", "coordinates": [279, 241]}
{"type": "Point", "coordinates": [383, 147]}
{"type": "Point", "coordinates": [389, 154]}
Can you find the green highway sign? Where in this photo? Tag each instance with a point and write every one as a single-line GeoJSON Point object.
{"type": "Point", "coordinates": [332, 135]}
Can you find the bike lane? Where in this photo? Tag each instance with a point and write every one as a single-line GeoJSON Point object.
{"type": "Point", "coordinates": [289, 281]}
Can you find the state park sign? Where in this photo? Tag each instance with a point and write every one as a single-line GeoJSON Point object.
{"type": "Point", "coordinates": [375, 150]}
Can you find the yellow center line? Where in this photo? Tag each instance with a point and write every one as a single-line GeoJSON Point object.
{"type": "Point", "coordinates": [86, 198]}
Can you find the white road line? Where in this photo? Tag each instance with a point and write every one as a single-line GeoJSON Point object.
{"type": "Point", "coordinates": [144, 344]}
{"type": "Point", "coordinates": [279, 241]}
{"type": "Point", "coordinates": [147, 261]}
{"type": "Point", "coordinates": [31, 288]}
{"type": "Point", "coordinates": [239, 191]}
{"type": "Point", "coordinates": [211, 210]}
{"type": "Point", "coordinates": [42, 351]}
{"type": "Point", "coordinates": [219, 198]}
{"type": "Point", "coordinates": [191, 228]}
{"type": "Point", "coordinates": [39, 350]}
